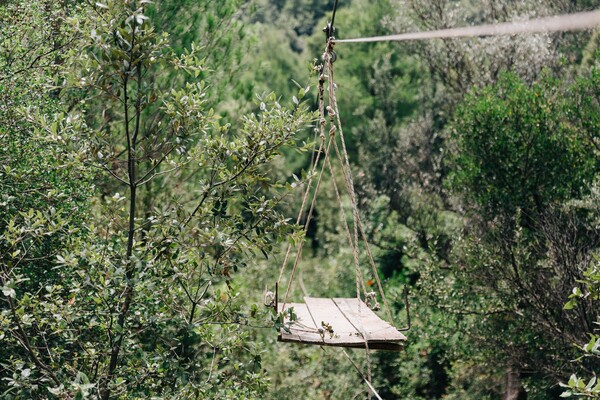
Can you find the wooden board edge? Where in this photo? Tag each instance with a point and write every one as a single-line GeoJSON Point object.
{"type": "Point", "coordinates": [385, 346]}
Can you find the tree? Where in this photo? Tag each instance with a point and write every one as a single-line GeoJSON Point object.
{"type": "Point", "coordinates": [515, 150]}
{"type": "Point", "coordinates": [521, 157]}
{"type": "Point", "coordinates": [217, 30]}
{"type": "Point", "coordinates": [422, 235]}
{"type": "Point", "coordinates": [44, 189]}
{"type": "Point", "coordinates": [134, 295]}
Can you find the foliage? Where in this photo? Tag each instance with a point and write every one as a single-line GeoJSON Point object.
{"type": "Point", "coordinates": [517, 150]}
{"type": "Point", "coordinates": [143, 198]}
{"type": "Point", "coordinates": [216, 30]}
{"type": "Point", "coordinates": [44, 192]}
{"type": "Point", "coordinates": [520, 158]}
{"type": "Point", "coordinates": [301, 16]}
{"type": "Point", "coordinates": [591, 291]}
{"type": "Point", "coordinates": [136, 298]}
{"type": "Point", "coordinates": [458, 64]}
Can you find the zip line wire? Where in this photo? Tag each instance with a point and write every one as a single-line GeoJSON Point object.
{"type": "Point", "coordinates": [566, 22]}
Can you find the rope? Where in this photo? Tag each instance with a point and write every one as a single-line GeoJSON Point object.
{"type": "Point", "coordinates": [359, 279]}
{"type": "Point", "coordinates": [566, 22]}
{"type": "Point", "coordinates": [308, 219]}
{"type": "Point", "coordinates": [333, 13]}
{"type": "Point", "coordinates": [366, 379]}
{"type": "Point", "coordinates": [335, 124]}
{"type": "Point", "coordinates": [314, 163]}
{"type": "Point", "coordinates": [322, 124]}
{"type": "Point", "coordinates": [347, 172]}
{"type": "Point", "coordinates": [354, 244]}
{"type": "Point", "coordinates": [333, 111]}
{"type": "Point", "coordinates": [304, 198]}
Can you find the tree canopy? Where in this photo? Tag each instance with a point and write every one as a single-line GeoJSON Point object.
{"type": "Point", "coordinates": [152, 161]}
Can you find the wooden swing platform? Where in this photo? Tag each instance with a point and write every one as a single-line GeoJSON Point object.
{"type": "Point", "coordinates": [340, 322]}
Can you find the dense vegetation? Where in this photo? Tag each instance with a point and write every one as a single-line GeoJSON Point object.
{"type": "Point", "coordinates": [151, 155]}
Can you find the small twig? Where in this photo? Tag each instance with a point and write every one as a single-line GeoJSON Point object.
{"type": "Point", "coordinates": [143, 182]}
{"type": "Point", "coordinates": [212, 363]}
{"type": "Point", "coordinates": [106, 169]}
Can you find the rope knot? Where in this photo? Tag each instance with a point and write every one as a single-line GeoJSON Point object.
{"type": "Point", "coordinates": [371, 300]}
{"type": "Point", "coordinates": [332, 130]}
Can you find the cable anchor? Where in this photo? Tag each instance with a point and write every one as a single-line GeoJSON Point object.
{"type": "Point", "coordinates": [329, 39]}
{"type": "Point", "coordinates": [330, 33]}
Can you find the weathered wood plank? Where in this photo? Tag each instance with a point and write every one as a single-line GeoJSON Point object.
{"type": "Point", "coordinates": [347, 322]}
{"type": "Point", "coordinates": [389, 346]}
{"type": "Point", "coordinates": [367, 321]}
{"type": "Point", "coordinates": [308, 328]}
{"type": "Point", "coordinates": [324, 311]}
{"type": "Point", "coordinates": [303, 328]}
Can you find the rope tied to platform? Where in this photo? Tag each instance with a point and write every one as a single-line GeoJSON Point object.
{"type": "Point", "coordinates": [335, 131]}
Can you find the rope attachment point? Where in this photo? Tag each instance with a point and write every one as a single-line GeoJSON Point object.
{"type": "Point", "coordinates": [330, 28]}
{"type": "Point", "coordinates": [330, 36]}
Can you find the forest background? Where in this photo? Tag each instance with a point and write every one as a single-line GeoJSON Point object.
{"type": "Point", "coordinates": [152, 156]}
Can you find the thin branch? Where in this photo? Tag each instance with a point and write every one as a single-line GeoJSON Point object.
{"type": "Point", "coordinates": [106, 169]}
{"type": "Point", "coordinates": [105, 389]}
{"type": "Point", "coordinates": [212, 363]}
{"type": "Point", "coordinates": [32, 64]}
{"type": "Point", "coordinates": [144, 179]}
{"type": "Point", "coordinates": [24, 340]}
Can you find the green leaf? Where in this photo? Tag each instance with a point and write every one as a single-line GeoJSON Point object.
{"type": "Point", "coordinates": [9, 292]}
{"type": "Point", "coordinates": [570, 305]}
{"type": "Point", "coordinates": [573, 380]}
{"type": "Point", "coordinates": [590, 383]}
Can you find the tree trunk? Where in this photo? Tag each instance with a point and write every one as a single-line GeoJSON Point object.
{"type": "Point", "coordinates": [512, 386]}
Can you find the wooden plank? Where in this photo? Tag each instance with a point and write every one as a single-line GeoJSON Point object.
{"type": "Point", "coordinates": [346, 320]}
{"type": "Point", "coordinates": [376, 329]}
{"type": "Point", "coordinates": [389, 346]}
{"type": "Point", "coordinates": [303, 329]}
{"type": "Point", "coordinates": [324, 310]}
{"type": "Point", "coordinates": [308, 328]}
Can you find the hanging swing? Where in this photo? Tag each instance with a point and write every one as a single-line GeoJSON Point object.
{"type": "Point", "coordinates": [350, 322]}
{"type": "Point", "coordinates": [340, 322]}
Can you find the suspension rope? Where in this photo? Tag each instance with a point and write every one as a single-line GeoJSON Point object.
{"type": "Point", "coordinates": [313, 170]}
{"type": "Point", "coordinates": [322, 128]}
{"type": "Point", "coordinates": [557, 23]}
{"type": "Point", "coordinates": [359, 278]}
{"type": "Point", "coordinates": [367, 379]}
{"type": "Point", "coordinates": [347, 173]}
{"type": "Point", "coordinates": [327, 72]}
{"type": "Point", "coordinates": [333, 13]}
{"type": "Point", "coordinates": [357, 224]}
{"type": "Point", "coordinates": [332, 123]}
{"type": "Point", "coordinates": [298, 219]}
{"type": "Point", "coordinates": [308, 219]}
{"type": "Point", "coordinates": [312, 173]}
